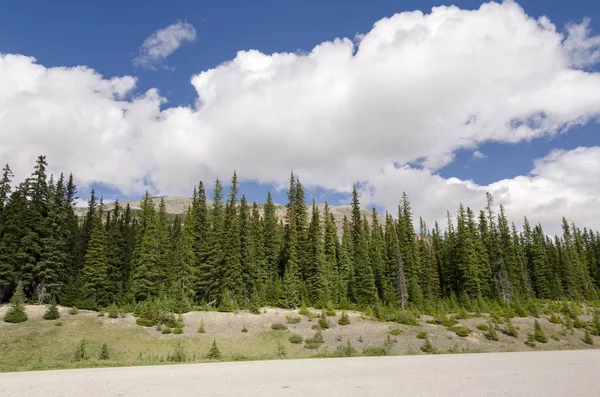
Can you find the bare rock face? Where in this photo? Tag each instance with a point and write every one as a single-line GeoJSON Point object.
{"type": "Point", "coordinates": [178, 205]}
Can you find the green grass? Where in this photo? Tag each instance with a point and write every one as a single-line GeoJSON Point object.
{"type": "Point", "coordinates": [39, 345]}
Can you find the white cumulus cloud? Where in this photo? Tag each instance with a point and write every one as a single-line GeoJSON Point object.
{"type": "Point", "coordinates": [413, 89]}
{"type": "Point", "coordinates": [163, 43]}
{"type": "Point", "coordinates": [478, 155]}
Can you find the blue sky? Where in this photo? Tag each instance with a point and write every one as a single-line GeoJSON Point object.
{"type": "Point", "coordinates": [107, 36]}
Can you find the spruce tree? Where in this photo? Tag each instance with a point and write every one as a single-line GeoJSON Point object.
{"type": "Point", "coordinates": [184, 263]}
{"type": "Point", "coordinates": [316, 270]}
{"type": "Point", "coordinates": [248, 265]}
{"type": "Point", "coordinates": [330, 247]}
{"type": "Point", "coordinates": [16, 311]}
{"type": "Point", "coordinates": [345, 267]}
{"type": "Point", "coordinates": [147, 273]}
{"type": "Point", "coordinates": [231, 276]}
{"type": "Point", "coordinates": [95, 282]}
{"type": "Point", "coordinates": [272, 239]}
{"type": "Point", "coordinates": [376, 255]}
{"type": "Point", "coordinates": [256, 242]}
{"type": "Point", "coordinates": [363, 285]}
{"type": "Point", "coordinates": [52, 312]}
{"type": "Point", "coordinates": [8, 237]}
{"type": "Point", "coordinates": [52, 267]}
{"type": "Point", "coordinates": [208, 273]}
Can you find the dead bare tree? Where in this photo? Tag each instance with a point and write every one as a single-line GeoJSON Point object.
{"type": "Point", "coordinates": [41, 292]}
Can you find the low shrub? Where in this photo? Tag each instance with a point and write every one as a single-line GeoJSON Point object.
{"type": "Point", "coordinates": [178, 355]}
{"type": "Point", "coordinates": [587, 338]}
{"type": "Point", "coordinates": [166, 330]}
{"type": "Point", "coordinates": [316, 338]}
{"type": "Point", "coordinates": [344, 319]}
{"type": "Point", "coordinates": [113, 312]}
{"type": "Point", "coordinates": [345, 351]}
{"type": "Point", "coordinates": [281, 352]}
{"type": "Point", "coordinates": [292, 319]}
{"type": "Point", "coordinates": [15, 316]}
{"type": "Point", "coordinates": [579, 323]}
{"type": "Point", "coordinates": [462, 315]}
{"type": "Point", "coordinates": [201, 330]}
{"type": "Point", "coordinates": [554, 319]}
{"type": "Point", "coordinates": [178, 331]}
{"type": "Point", "coordinates": [73, 311]}
{"type": "Point", "coordinates": [446, 321]}
{"type": "Point", "coordinates": [296, 339]}
{"type": "Point", "coordinates": [323, 322]}
{"type": "Point", "coordinates": [214, 353]}
{"type": "Point", "coordinates": [145, 322]}
{"type": "Point", "coordinates": [491, 334]}
{"type": "Point", "coordinates": [330, 312]}
{"type": "Point", "coordinates": [460, 330]}
{"type": "Point", "coordinates": [395, 331]}
{"type": "Point", "coordinates": [52, 312]}
{"type": "Point", "coordinates": [482, 327]}
{"type": "Point", "coordinates": [511, 330]}
{"type": "Point", "coordinates": [406, 317]}
{"type": "Point", "coordinates": [278, 327]}
{"type": "Point", "coordinates": [428, 347]}
{"type": "Point", "coordinates": [538, 333]}
{"type": "Point", "coordinates": [303, 310]}
{"type": "Point", "coordinates": [81, 353]}
{"type": "Point", "coordinates": [104, 353]}
{"type": "Point", "coordinates": [422, 335]}
{"type": "Point", "coordinates": [316, 327]}
{"type": "Point", "coordinates": [245, 330]}
{"type": "Point", "coordinates": [311, 345]}
{"type": "Point", "coordinates": [375, 351]}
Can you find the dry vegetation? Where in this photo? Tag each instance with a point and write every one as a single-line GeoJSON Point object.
{"type": "Point", "coordinates": [42, 344]}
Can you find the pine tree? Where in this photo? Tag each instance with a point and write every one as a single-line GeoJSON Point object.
{"type": "Point", "coordinates": [256, 244]}
{"type": "Point", "coordinates": [232, 267]}
{"type": "Point", "coordinates": [147, 273]}
{"type": "Point", "coordinates": [5, 182]}
{"type": "Point", "coordinates": [51, 269]}
{"type": "Point", "coordinates": [95, 281]}
{"type": "Point", "coordinates": [248, 267]}
{"type": "Point", "coordinates": [330, 247]}
{"type": "Point", "coordinates": [316, 269]}
{"type": "Point", "coordinates": [392, 253]}
{"type": "Point", "coordinates": [52, 312]}
{"type": "Point", "coordinates": [363, 285]}
{"type": "Point", "coordinates": [408, 248]}
{"type": "Point", "coordinates": [16, 312]}
{"type": "Point", "coordinates": [272, 239]}
{"type": "Point", "coordinates": [466, 273]}
{"type": "Point", "coordinates": [201, 223]}
{"type": "Point", "coordinates": [208, 273]}
{"type": "Point", "coordinates": [290, 290]}
{"type": "Point", "coordinates": [184, 262]}
{"type": "Point", "coordinates": [7, 247]}
{"type": "Point", "coordinates": [345, 268]}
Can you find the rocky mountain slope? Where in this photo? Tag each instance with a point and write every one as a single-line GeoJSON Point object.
{"type": "Point", "coordinates": [178, 205]}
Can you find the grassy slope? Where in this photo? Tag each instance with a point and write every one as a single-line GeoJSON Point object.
{"type": "Point", "coordinates": [38, 344]}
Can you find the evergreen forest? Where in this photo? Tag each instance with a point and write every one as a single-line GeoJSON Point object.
{"type": "Point", "coordinates": [226, 253]}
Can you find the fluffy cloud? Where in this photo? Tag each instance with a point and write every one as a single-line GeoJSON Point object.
{"type": "Point", "coordinates": [477, 155]}
{"type": "Point", "coordinates": [414, 89]}
{"type": "Point", "coordinates": [564, 183]}
{"type": "Point", "coordinates": [163, 43]}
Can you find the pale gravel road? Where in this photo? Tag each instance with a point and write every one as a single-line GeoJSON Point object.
{"type": "Point", "coordinates": [558, 373]}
